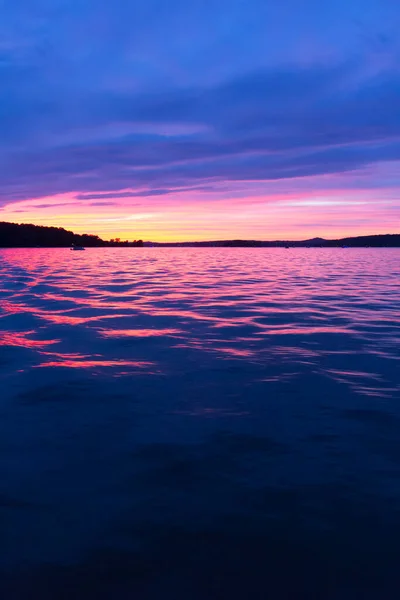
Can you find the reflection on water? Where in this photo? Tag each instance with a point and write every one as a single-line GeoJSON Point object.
{"type": "Point", "coordinates": [200, 423]}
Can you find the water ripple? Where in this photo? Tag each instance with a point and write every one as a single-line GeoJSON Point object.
{"type": "Point", "coordinates": [227, 303]}
{"type": "Point", "coordinates": [168, 415]}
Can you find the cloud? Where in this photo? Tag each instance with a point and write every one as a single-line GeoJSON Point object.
{"type": "Point", "coordinates": [126, 111]}
{"type": "Point", "coordinates": [140, 194]}
{"type": "Point", "coordinates": [104, 203]}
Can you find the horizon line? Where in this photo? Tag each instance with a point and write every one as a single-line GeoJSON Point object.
{"type": "Point", "coordinates": [209, 241]}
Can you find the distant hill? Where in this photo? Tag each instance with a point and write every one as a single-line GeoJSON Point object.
{"type": "Point", "coordinates": [376, 241]}
{"type": "Point", "coordinates": [13, 235]}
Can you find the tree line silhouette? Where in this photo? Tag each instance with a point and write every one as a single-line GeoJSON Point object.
{"type": "Point", "coordinates": [13, 235]}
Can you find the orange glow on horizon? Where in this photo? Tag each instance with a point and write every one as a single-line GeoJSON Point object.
{"type": "Point", "coordinates": [194, 217]}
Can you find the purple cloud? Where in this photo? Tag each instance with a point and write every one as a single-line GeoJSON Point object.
{"type": "Point", "coordinates": [155, 116]}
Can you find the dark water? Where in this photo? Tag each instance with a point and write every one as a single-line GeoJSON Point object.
{"type": "Point", "coordinates": [200, 424]}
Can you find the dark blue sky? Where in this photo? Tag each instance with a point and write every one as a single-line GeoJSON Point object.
{"type": "Point", "coordinates": [198, 103]}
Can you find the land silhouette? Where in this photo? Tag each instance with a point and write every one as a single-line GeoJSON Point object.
{"type": "Point", "coordinates": [377, 241]}
{"type": "Point", "coordinates": [13, 235]}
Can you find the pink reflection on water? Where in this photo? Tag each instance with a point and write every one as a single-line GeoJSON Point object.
{"type": "Point", "coordinates": [218, 303]}
{"type": "Point", "coordinates": [61, 319]}
{"type": "Point", "coordinates": [236, 352]}
{"type": "Point", "coordinates": [301, 330]}
{"type": "Point", "coordinates": [17, 339]}
{"type": "Point", "coordinates": [359, 382]}
{"type": "Point", "coordinates": [281, 377]}
{"type": "Point", "coordinates": [139, 333]}
{"type": "Point", "coordinates": [13, 308]}
{"type": "Point", "coordinates": [87, 364]}
{"type": "Point", "coordinates": [357, 374]}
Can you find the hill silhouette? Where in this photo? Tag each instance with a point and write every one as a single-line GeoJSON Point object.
{"type": "Point", "coordinates": [377, 241]}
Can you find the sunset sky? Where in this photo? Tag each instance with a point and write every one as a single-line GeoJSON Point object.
{"type": "Point", "coordinates": [192, 119]}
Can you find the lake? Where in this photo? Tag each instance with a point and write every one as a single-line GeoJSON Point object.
{"type": "Point", "coordinates": [198, 424]}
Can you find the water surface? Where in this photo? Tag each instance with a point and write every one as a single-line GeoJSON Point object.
{"type": "Point", "coordinates": [200, 423]}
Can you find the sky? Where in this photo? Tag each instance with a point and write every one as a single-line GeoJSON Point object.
{"type": "Point", "coordinates": [188, 120]}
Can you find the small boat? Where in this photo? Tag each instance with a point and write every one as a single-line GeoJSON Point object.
{"type": "Point", "coordinates": [73, 247]}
